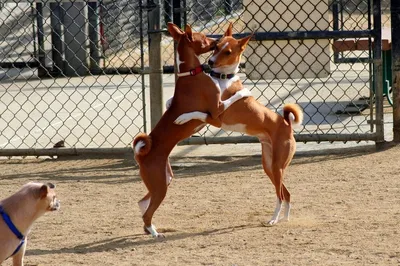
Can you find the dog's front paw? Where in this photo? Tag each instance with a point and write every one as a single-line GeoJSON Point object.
{"type": "Point", "coordinates": [245, 92]}
{"type": "Point", "coordinates": [182, 119]}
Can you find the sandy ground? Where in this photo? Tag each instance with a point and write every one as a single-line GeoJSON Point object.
{"type": "Point", "coordinates": [346, 211]}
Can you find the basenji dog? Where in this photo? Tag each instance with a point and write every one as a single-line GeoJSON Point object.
{"type": "Point", "coordinates": [252, 118]}
{"type": "Point", "coordinates": [194, 90]}
{"type": "Point", "coordinates": [17, 214]}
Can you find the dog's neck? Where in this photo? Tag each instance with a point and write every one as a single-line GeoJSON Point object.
{"type": "Point", "coordinates": [186, 58]}
{"type": "Point", "coordinates": [223, 84]}
{"type": "Point", "coordinates": [22, 212]}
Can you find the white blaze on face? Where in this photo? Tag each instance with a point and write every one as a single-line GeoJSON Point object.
{"type": "Point", "coordinates": [214, 57]}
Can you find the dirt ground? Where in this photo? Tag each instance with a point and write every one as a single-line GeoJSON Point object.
{"type": "Point", "coordinates": [346, 211]}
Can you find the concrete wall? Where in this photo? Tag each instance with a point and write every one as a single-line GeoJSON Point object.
{"type": "Point", "coordinates": [287, 59]}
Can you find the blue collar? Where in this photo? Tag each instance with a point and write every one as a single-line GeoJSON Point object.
{"type": "Point", "coordinates": [13, 229]}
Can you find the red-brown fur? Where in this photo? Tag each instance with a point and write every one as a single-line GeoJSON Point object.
{"type": "Point", "coordinates": [273, 130]}
{"type": "Point", "coordinates": [191, 93]}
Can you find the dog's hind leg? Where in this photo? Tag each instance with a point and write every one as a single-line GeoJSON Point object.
{"type": "Point", "coordinates": [144, 203]}
{"type": "Point", "coordinates": [169, 173]}
{"type": "Point", "coordinates": [272, 168]}
{"type": "Point", "coordinates": [267, 158]}
{"type": "Point", "coordinates": [287, 150]}
{"type": "Point", "coordinates": [157, 196]}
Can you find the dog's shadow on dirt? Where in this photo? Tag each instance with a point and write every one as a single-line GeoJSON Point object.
{"type": "Point", "coordinates": [207, 165]}
{"type": "Point", "coordinates": [134, 241]}
{"type": "Point", "coordinates": [123, 169]}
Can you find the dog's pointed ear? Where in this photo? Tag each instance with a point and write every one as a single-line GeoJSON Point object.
{"type": "Point", "coordinates": [189, 33]}
{"type": "Point", "coordinates": [228, 31]}
{"type": "Point", "coordinates": [243, 42]}
{"type": "Point", "coordinates": [43, 191]}
{"type": "Point", "coordinates": [175, 31]}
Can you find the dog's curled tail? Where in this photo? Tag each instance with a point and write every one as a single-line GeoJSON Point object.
{"type": "Point", "coordinates": [296, 111]}
{"type": "Point", "coordinates": [141, 144]}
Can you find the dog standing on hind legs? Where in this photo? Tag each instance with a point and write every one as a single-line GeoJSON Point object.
{"type": "Point", "coordinates": [194, 90]}
{"type": "Point", "coordinates": [248, 116]}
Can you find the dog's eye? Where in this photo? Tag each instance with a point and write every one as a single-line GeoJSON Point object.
{"type": "Point", "coordinates": [228, 52]}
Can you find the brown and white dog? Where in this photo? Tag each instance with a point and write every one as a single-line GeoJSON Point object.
{"type": "Point", "coordinates": [194, 90]}
{"type": "Point", "coordinates": [17, 214]}
{"type": "Point", "coordinates": [252, 118]}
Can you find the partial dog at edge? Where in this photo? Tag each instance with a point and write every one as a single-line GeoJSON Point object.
{"type": "Point", "coordinates": [17, 214]}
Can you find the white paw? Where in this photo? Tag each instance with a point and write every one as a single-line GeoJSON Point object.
{"type": "Point", "coordinates": [244, 92]}
{"type": "Point", "coordinates": [272, 222]}
{"type": "Point", "coordinates": [182, 119]}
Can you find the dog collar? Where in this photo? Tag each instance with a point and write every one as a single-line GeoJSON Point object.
{"type": "Point", "coordinates": [13, 229]}
{"type": "Point", "coordinates": [193, 72]}
{"type": "Point", "coordinates": [221, 75]}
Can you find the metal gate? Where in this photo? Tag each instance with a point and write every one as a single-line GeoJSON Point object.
{"type": "Point", "coordinates": [86, 90]}
{"type": "Point", "coordinates": [299, 54]}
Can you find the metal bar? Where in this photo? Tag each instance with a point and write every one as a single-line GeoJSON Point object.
{"type": "Point", "coordinates": [62, 151]}
{"type": "Point", "coordinates": [40, 37]}
{"type": "Point", "coordinates": [352, 60]}
{"type": "Point", "coordinates": [395, 16]}
{"type": "Point", "coordinates": [32, 64]}
{"type": "Point", "coordinates": [156, 80]}
{"type": "Point", "coordinates": [228, 7]}
{"type": "Point", "coordinates": [299, 138]}
{"type": "Point", "coordinates": [184, 14]}
{"type": "Point", "coordinates": [168, 11]}
{"type": "Point", "coordinates": [94, 40]}
{"type": "Point", "coordinates": [176, 7]}
{"type": "Point", "coordinates": [75, 39]}
{"type": "Point", "coordinates": [303, 35]}
{"type": "Point", "coordinates": [378, 71]}
{"type": "Point", "coordinates": [56, 42]}
{"type": "Point", "coordinates": [142, 65]}
{"type": "Point", "coordinates": [335, 15]}
{"type": "Point", "coordinates": [49, 1]}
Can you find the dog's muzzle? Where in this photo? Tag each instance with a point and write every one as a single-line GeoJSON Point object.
{"type": "Point", "coordinates": [56, 206]}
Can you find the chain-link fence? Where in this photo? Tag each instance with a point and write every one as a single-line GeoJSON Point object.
{"type": "Point", "coordinates": [71, 72]}
{"type": "Point", "coordinates": [77, 71]}
{"type": "Point", "coordinates": [294, 58]}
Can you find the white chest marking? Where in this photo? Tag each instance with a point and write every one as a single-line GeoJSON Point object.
{"type": "Point", "coordinates": [223, 84]}
{"type": "Point", "coordinates": [236, 127]}
{"type": "Point", "coordinates": [178, 61]}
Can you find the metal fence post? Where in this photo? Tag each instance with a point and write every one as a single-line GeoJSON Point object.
{"type": "Point", "coordinates": [380, 134]}
{"type": "Point", "coordinates": [40, 36]}
{"type": "Point", "coordinates": [75, 39]}
{"type": "Point", "coordinates": [156, 70]}
{"type": "Point", "coordinates": [94, 40]}
{"type": "Point", "coordinates": [395, 16]}
{"type": "Point", "coordinates": [56, 42]}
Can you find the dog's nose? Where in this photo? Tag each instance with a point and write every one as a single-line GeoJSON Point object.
{"type": "Point", "coordinates": [210, 63]}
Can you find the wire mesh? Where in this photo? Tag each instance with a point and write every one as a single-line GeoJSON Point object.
{"type": "Point", "coordinates": [71, 72]}
{"type": "Point", "coordinates": [75, 71]}
{"type": "Point", "coordinates": [336, 96]}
